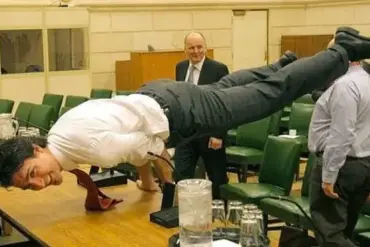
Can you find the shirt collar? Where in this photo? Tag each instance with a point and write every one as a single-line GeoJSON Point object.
{"type": "Point", "coordinates": [198, 65]}
{"type": "Point", "coordinates": [66, 163]}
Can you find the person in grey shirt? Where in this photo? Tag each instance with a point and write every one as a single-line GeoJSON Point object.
{"type": "Point", "coordinates": [339, 135]}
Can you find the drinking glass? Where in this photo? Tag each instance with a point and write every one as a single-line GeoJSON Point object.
{"type": "Point", "coordinates": [249, 232]}
{"type": "Point", "coordinates": [218, 217]}
{"type": "Point", "coordinates": [249, 209]}
{"type": "Point", "coordinates": [34, 131]}
{"type": "Point", "coordinates": [233, 218]}
{"type": "Point", "coordinates": [22, 130]}
{"type": "Point", "coordinates": [195, 212]}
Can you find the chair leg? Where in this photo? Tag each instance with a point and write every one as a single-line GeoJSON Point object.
{"type": "Point", "coordinates": [265, 223]}
{"type": "Point", "coordinates": [242, 173]}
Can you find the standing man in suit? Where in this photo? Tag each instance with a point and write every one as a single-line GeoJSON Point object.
{"type": "Point", "coordinates": [198, 69]}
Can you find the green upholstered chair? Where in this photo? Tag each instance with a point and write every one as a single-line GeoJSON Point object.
{"type": "Point", "coordinates": [248, 150]}
{"type": "Point", "coordinates": [6, 106]}
{"type": "Point", "coordinates": [300, 118]}
{"type": "Point", "coordinates": [23, 113]}
{"type": "Point", "coordinates": [363, 222]}
{"type": "Point", "coordinates": [72, 100]}
{"type": "Point", "coordinates": [280, 159]}
{"type": "Point", "coordinates": [231, 137]}
{"type": "Point", "coordinates": [363, 239]}
{"type": "Point", "coordinates": [287, 211]}
{"type": "Point", "coordinates": [285, 118]}
{"type": "Point", "coordinates": [275, 123]}
{"type": "Point", "coordinates": [55, 101]}
{"type": "Point", "coordinates": [40, 116]}
{"type": "Point", "coordinates": [305, 99]}
{"type": "Point", "coordinates": [124, 92]}
{"type": "Point", "coordinates": [64, 110]}
{"type": "Point", "coordinates": [100, 93]}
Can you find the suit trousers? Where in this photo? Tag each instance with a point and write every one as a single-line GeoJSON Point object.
{"type": "Point", "coordinates": [336, 218]}
{"type": "Point", "coordinates": [243, 96]}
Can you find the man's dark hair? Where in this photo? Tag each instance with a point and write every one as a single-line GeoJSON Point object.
{"type": "Point", "coordinates": [13, 152]}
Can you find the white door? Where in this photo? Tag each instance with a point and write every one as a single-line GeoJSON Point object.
{"type": "Point", "coordinates": [250, 39]}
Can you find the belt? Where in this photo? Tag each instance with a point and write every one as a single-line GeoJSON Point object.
{"type": "Point", "coordinates": [162, 103]}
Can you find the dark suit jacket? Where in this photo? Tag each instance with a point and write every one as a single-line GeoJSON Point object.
{"type": "Point", "coordinates": [212, 71]}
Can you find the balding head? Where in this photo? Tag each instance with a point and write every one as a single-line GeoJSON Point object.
{"type": "Point", "coordinates": [195, 47]}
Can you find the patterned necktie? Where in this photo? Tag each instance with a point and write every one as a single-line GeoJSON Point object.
{"type": "Point", "coordinates": [95, 199]}
{"type": "Point", "coordinates": [191, 74]}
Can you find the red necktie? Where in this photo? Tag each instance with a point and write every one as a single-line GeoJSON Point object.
{"type": "Point", "coordinates": [95, 199]}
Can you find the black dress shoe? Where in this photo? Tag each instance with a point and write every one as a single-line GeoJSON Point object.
{"type": "Point", "coordinates": [356, 45]}
{"type": "Point", "coordinates": [286, 59]}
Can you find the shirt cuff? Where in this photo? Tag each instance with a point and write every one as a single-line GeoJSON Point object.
{"type": "Point", "coordinates": [157, 147]}
{"type": "Point", "coordinates": [329, 176]}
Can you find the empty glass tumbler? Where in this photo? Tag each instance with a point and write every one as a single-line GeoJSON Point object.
{"type": "Point", "coordinates": [249, 232]}
{"type": "Point", "coordinates": [195, 212]}
{"type": "Point", "coordinates": [218, 217]}
{"type": "Point", "coordinates": [233, 218]}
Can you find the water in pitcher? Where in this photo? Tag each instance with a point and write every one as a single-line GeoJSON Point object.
{"type": "Point", "coordinates": [195, 213]}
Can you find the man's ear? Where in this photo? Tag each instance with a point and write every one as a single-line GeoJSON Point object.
{"type": "Point", "coordinates": [37, 148]}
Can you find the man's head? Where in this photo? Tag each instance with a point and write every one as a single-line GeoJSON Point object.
{"type": "Point", "coordinates": [26, 163]}
{"type": "Point", "coordinates": [195, 47]}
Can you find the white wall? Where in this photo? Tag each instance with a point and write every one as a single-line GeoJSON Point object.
{"type": "Point", "coordinates": [315, 21]}
{"type": "Point", "coordinates": [115, 33]}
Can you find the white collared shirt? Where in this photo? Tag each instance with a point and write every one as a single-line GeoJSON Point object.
{"type": "Point", "coordinates": [196, 71]}
{"type": "Point", "coordinates": [107, 132]}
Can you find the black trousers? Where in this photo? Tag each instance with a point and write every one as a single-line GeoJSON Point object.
{"type": "Point", "coordinates": [243, 96]}
{"type": "Point", "coordinates": [187, 154]}
{"type": "Point", "coordinates": [336, 218]}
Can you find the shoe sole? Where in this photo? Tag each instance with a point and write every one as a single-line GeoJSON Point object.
{"type": "Point", "coordinates": [348, 30]}
{"type": "Point", "coordinates": [352, 32]}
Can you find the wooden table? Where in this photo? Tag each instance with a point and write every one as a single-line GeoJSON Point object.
{"type": "Point", "coordinates": [57, 216]}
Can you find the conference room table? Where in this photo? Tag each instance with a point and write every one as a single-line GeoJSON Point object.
{"type": "Point", "coordinates": [56, 216]}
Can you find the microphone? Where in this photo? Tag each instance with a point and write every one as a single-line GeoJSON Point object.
{"type": "Point", "coordinates": [168, 216]}
{"type": "Point", "coordinates": [168, 189]}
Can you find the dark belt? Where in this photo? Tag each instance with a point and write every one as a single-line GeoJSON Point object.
{"type": "Point", "coordinates": [163, 104]}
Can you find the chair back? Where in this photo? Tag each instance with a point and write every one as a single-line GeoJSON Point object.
{"type": "Point", "coordinates": [311, 162]}
{"type": "Point", "coordinates": [40, 116]}
{"type": "Point", "coordinates": [72, 100]}
{"type": "Point", "coordinates": [55, 101]}
{"type": "Point", "coordinates": [23, 113]}
{"type": "Point", "coordinates": [305, 99]}
{"type": "Point", "coordinates": [6, 106]}
{"type": "Point", "coordinates": [275, 123]}
{"type": "Point", "coordinates": [100, 93]}
{"type": "Point", "coordinates": [124, 92]}
{"type": "Point", "coordinates": [253, 135]}
{"type": "Point", "coordinates": [280, 162]}
{"type": "Point", "coordinates": [64, 110]}
{"type": "Point", "coordinates": [300, 117]}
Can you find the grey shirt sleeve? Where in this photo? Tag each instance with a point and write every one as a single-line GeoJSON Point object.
{"type": "Point", "coordinates": [343, 104]}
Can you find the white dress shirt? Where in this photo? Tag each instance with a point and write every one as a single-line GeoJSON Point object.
{"type": "Point", "coordinates": [196, 71]}
{"type": "Point", "coordinates": [107, 132]}
{"type": "Point", "coordinates": [340, 122]}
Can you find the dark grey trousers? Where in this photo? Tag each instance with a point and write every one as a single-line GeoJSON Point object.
{"type": "Point", "coordinates": [244, 96]}
{"type": "Point", "coordinates": [336, 218]}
